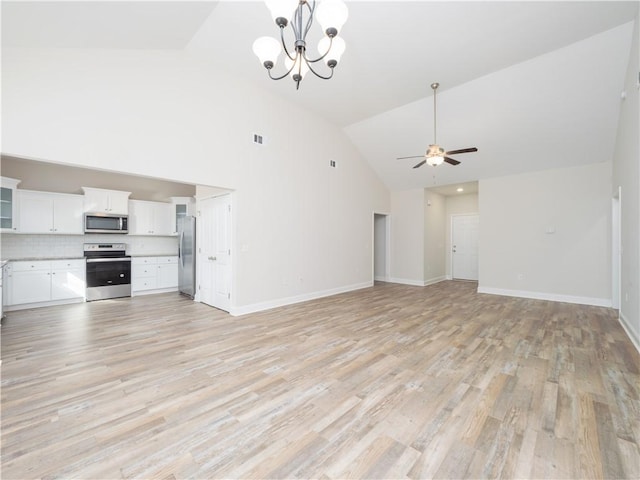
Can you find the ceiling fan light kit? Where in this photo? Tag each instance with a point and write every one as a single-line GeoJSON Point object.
{"type": "Point", "coordinates": [331, 14]}
{"type": "Point", "coordinates": [435, 154]}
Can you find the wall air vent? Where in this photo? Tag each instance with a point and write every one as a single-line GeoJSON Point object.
{"type": "Point", "coordinates": [259, 139]}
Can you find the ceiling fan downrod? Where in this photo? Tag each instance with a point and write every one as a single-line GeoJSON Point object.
{"type": "Point", "coordinates": [434, 86]}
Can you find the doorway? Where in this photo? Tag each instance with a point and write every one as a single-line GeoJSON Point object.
{"type": "Point", "coordinates": [464, 247]}
{"type": "Point", "coordinates": [381, 247]}
{"type": "Point", "coordinates": [616, 250]}
{"type": "Point", "coordinates": [214, 252]}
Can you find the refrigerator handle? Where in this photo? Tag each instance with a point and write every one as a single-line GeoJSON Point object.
{"type": "Point", "coordinates": [180, 256]}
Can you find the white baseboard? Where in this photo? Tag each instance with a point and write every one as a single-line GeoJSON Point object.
{"type": "Point", "coordinates": [281, 302]}
{"type": "Point", "coordinates": [553, 297]}
{"type": "Point", "coordinates": [626, 325]}
{"type": "Point", "coordinates": [381, 279]}
{"type": "Point", "coordinates": [417, 283]}
{"type": "Point", "coordinates": [52, 303]}
{"type": "Point", "coordinates": [137, 293]}
{"type": "Point", "coordinates": [431, 281]}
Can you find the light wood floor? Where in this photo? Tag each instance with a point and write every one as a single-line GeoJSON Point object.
{"type": "Point", "coordinates": [387, 382]}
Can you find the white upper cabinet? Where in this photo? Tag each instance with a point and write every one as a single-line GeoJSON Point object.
{"type": "Point", "coordinates": [8, 204]}
{"type": "Point", "coordinates": [98, 200]}
{"type": "Point", "coordinates": [150, 218]}
{"type": "Point", "coordinates": [45, 212]}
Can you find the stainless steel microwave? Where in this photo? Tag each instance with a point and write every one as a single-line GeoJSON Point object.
{"type": "Point", "coordinates": [105, 223]}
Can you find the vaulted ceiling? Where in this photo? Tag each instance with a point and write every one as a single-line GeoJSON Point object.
{"type": "Point", "coordinates": [533, 85]}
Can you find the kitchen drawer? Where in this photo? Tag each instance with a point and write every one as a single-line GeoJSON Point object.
{"type": "Point", "coordinates": [27, 266]}
{"type": "Point", "coordinates": [67, 264]}
{"type": "Point", "coordinates": [167, 260]}
{"type": "Point", "coordinates": [143, 271]}
{"type": "Point", "coordinates": [144, 261]}
{"type": "Point", "coordinates": [144, 283]}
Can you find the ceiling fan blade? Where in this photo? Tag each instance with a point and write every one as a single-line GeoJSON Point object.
{"type": "Point", "coordinates": [420, 164]}
{"type": "Point", "coordinates": [462, 150]}
{"type": "Point", "coordinates": [451, 161]}
{"type": "Point", "coordinates": [415, 156]}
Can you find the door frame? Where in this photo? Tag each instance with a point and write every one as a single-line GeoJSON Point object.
{"type": "Point", "coordinates": [450, 246]}
{"type": "Point", "coordinates": [616, 249]}
{"type": "Point", "coordinates": [199, 253]}
{"type": "Point", "coordinates": [387, 249]}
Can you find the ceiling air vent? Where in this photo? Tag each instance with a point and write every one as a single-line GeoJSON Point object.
{"type": "Point", "coordinates": [259, 139]}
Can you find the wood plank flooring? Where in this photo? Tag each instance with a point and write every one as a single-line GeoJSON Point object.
{"type": "Point", "coordinates": [387, 382]}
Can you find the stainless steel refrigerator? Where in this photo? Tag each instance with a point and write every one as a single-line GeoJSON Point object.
{"type": "Point", "coordinates": [187, 256]}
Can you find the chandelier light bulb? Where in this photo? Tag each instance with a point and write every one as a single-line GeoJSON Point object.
{"type": "Point", "coordinates": [337, 48]}
{"type": "Point", "coordinates": [267, 50]}
{"type": "Point", "coordinates": [282, 8]}
{"type": "Point", "coordinates": [332, 14]}
{"type": "Point", "coordinates": [296, 70]}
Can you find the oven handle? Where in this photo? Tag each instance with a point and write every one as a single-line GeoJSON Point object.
{"type": "Point", "coordinates": [112, 259]}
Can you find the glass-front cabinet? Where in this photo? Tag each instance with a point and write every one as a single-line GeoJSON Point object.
{"type": "Point", "coordinates": [8, 204]}
{"type": "Point", "coordinates": [182, 207]}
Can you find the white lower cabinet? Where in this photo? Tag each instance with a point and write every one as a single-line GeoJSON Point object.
{"type": "Point", "coordinates": [154, 274]}
{"type": "Point", "coordinates": [30, 282]}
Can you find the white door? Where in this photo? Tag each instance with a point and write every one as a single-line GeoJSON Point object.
{"type": "Point", "coordinates": [464, 247]}
{"type": "Point", "coordinates": [214, 252]}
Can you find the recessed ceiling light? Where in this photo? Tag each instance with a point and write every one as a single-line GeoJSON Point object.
{"type": "Point", "coordinates": [460, 189]}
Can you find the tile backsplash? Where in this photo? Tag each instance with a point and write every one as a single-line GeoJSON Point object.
{"type": "Point", "coordinates": [16, 246]}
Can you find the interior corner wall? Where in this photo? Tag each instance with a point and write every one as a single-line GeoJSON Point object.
{"type": "Point", "coordinates": [626, 174]}
{"type": "Point", "coordinates": [547, 235]}
{"type": "Point", "coordinates": [434, 237]}
{"type": "Point", "coordinates": [457, 205]}
{"type": "Point", "coordinates": [302, 228]}
{"type": "Point", "coordinates": [407, 237]}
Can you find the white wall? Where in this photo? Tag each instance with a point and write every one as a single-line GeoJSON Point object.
{"type": "Point", "coordinates": [457, 205]}
{"type": "Point", "coordinates": [434, 237]}
{"type": "Point", "coordinates": [301, 228]}
{"type": "Point", "coordinates": [626, 173]}
{"type": "Point", "coordinates": [518, 257]}
{"type": "Point", "coordinates": [407, 236]}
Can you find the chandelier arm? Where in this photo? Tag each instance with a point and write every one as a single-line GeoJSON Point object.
{"type": "Point", "coordinates": [281, 77]}
{"type": "Point", "coordinates": [308, 60]}
{"type": "Point", "coordinates": [284, 44]}
{"type": "Point", "coordinates": [317, 74]}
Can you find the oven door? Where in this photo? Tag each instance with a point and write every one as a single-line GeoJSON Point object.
{"type": "Point", "coordinates": [108, 278]}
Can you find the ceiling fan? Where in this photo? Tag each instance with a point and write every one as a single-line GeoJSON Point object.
{"type": "Point", "coordinates": [435, 154]}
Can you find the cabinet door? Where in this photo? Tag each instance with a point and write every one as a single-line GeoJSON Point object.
{"type": "Point", "coordinates": [67, 283]}
{"type": "Point", "coordinates": [35, 212]}
{"type": "Point", "coordinates": [168, 275]}
{"type": "Point", "coordinates": [96, 201]}
{"type": "Point", "coordinates": [7, 212]}
{"type": "Point", "coordinates": [162, 219]}
{"type": "Point", "coordinates": [119, 202]}
{"type": "Point", "coordinates": [140, 218]}
{"type": "Point", "coordinates": [67, 214]}
{"type": "Point", "coordinates": [30, 286]}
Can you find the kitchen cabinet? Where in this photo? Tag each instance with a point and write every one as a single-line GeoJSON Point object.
{"type": "Point", "coordinates": [30, 282]}
{"type": "Point", "coordinates": [45, 212]}
{"type": "Point", "coordinates": [8, 203]}
{"type": "Point", "coordinates": [108, 201]}
{"type": "Point", "coordinates": [154, 274]}
{"type": "Point", "coordinates": [150, 218]}
{"type": "Point", "coordinates": [181, 207]}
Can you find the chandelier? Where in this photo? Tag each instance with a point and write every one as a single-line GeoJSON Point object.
{"type": "Point", "coordinates": [331, 14]}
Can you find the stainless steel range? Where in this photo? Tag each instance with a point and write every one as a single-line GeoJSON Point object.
{"type": "Point", "coordinates": [108, 273]}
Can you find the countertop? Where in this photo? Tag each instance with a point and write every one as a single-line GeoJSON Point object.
{"type": "Point", "coordinates": [39, 259]}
